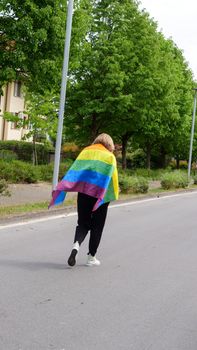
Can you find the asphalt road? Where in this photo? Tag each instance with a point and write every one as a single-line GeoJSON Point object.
{"type": "Point", "coordinates": [142, 297]}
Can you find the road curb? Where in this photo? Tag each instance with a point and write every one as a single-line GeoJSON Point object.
{"type": "Point", "coordinates": [72, 208]}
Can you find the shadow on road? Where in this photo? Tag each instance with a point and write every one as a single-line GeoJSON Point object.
{"type": "Point", "coordinates": [37, 265]}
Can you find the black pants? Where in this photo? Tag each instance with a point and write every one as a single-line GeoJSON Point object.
{"type": "Point", "coordinates": [90, 221]}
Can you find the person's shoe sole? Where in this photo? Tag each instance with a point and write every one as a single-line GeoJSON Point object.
{"type": "Point", "coordinates": [90, 264]}
{"type": "Point", "coordinates": [72, 257]}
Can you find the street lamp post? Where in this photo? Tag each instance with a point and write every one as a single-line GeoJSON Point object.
{"type": "Point", "coordinates": [192, 134]}
{"type": "Point", "coordinates": [63, 94]}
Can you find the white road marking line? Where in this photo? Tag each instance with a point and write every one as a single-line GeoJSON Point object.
{"type": "Point", "coordinates": [152, 199]}
{"type": "Point", "coordinates": [55, 217]}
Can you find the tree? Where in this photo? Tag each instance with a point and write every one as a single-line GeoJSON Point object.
{"type": "Point", "coordinates": [115, 72]}
{"type": "Point", "coordinates": [41, 121]}
{"type": "Point", "coordinates": [31, 42]}
{"type": "Point", "coordinates": [130, 81]}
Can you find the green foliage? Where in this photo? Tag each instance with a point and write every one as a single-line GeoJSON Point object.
{"type": "Point", "coordinates": [24, 150]}
{"type": "Point", "coordinates": [124, 183]}
{"type": "Point", "coordinates": [42, 119]}
{"type": "Point", "coordinates": [22, 172]}
{"type": "Point", "coordinates": [174, 179]}
{"type": "Point", "coordinates": [125, 78]}
{"type": "Point", "coordinates": [46, 171]}
{"type": "Point", "coordinates": [8, 155]}
{"type": "Point", "coordinates": [32, 41]}
{"type": "Point", "coordinates": [18, 172]}
{"type": "Point", "coordinates": [42, 114]}
{"type": "Point", "coordinates": [183, 164]}
{"type": "Point", "coordinates": [139, 185]}
{"type": "Point", "coordinates": [151, 174]}
{"type": "Point", "coordinates": [120, 87]}
{"type": "Point", "coordinates": [131, 184]}
{"type": "Point", "coordinates": [4, 191]}
{"type": "Point", "coordinates": [135, 158]}
{"type": "Point", "coordinates": [195, 179]}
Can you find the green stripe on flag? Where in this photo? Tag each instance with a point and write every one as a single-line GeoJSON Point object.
{"type": "Point", "coordinates": [94, 165]}
{"type": "Point", "coordinates": [110, 195]}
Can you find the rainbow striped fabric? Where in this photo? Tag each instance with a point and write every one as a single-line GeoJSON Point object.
{"type": "Point", "coordinates": [94, 172]}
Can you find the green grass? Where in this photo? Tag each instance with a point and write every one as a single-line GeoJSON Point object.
{"type": "Point", "coordinates": [31, 207]}
{"type": "Point", "coordinates": [43, 206]}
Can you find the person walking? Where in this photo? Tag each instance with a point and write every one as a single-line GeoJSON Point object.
{"type": "Point", "coordinates": [94, 176]}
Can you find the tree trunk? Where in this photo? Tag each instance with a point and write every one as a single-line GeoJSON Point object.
{"type": "Point", "coordinates": [94, 128]}
{"type": "Point", "coordinates": [148, 156]}
{"type": "Point", "coordinates": [125, 139]}
{"type": "Point", "coordinates": [177, 162]}
{"type": "Point", "coordinates": [35, 156]}
{"type": "Point", "coordinates": [162, 158]}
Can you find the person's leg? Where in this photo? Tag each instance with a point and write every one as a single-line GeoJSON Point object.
{"type": "Point", "coordinates": [97, 225]}
{"type": "Point", "coordinates": [85, 204]}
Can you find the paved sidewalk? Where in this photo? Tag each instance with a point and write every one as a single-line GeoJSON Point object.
{"type": "Point", "coordinates": [39, 192]}
{"type": "Point", "coordinates": [28, 193]}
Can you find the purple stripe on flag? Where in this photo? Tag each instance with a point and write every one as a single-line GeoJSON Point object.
{"type": "Point", "coordinates": [83, 187]}
{"type": "Point", "coordinates": [98, 203]}
{"type": "Point", "coordinates": [55, 194]}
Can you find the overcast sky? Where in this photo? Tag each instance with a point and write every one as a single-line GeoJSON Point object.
{"type": "Point", "coordinates": [178, 20]}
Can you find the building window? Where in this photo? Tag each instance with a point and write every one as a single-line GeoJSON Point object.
{"type": "Point", "coordinates": [17, 88]}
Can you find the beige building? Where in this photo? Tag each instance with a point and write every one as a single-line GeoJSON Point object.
{"type": "Point", "coordinates": [12, 101]}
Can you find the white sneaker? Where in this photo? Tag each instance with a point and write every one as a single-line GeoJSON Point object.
{"type": "Point", "coordinates": [76, 246]}
{"type": "Point", "coordinates": [92, 261]}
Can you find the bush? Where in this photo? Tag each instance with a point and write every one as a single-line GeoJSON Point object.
{"type": "Point", "coordinates": [175, 179]}
{"type": "Point", "coordinates": [8, 155]}
{"type": "Point", "coordinates": [46, 171]}
{"type": "Point", "coordinates": [18, 172]}
{"type": "Point", "coordinates": [4, 188]}
{"type": "Point", "coordinates": [136, 159]}
{"type": "Point", "coordinates": [69, 151]}
{"type": "Point", "coordinates": [22, 172]}
{"type": "Point", "coordinates": [131, 184]}
{"type": "Point", "coordinates": [195, 179]}
{"type": "Point", "coordinates": [141, 185]}
{"type": "Point", "coordinates": [124, 183]}
{"type": "Point", "coordinates": [24, 150]}
{"type": "Point", "coordinates": [151, 174]}
{"type": "Point", "coordinates": [70, 147]}
{"type": "Point", "coordinates": [183, 164]}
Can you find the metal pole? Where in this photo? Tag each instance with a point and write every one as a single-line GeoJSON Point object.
{"type": "Point", "coordinates": [63, 94]}
{"type": "Point", "coordinates": [192, 135]}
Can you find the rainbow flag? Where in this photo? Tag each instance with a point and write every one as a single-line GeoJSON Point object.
{"type": "Point", "coordinates": [94, 172]}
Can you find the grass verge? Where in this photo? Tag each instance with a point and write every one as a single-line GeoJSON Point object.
{"type": "Point", "coordinates": [43, 206]}
{"type": "Point", "coordinates": [30, 208]}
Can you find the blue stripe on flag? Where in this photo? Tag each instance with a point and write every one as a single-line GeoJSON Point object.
{"type": "Point", "coordinates": [88, 176]}
{"type": "Point", "coordinates": [60, 198]}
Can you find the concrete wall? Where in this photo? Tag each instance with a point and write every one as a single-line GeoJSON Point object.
{"type": "Point", "coordinates": [13, 104]}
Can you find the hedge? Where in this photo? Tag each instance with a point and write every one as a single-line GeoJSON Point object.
{"type": "Point", "coordinates": [24, 151]}
{"type": "Point", "coordinates": [132, 184]}
{"type": "Point", "coordinates": [174, 180]}
{"type": "Point", "coordinates": [4, 191]}
{"type": "Point", "coordinates": [17, 171]}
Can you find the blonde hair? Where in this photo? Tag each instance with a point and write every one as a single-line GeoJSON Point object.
{"type": "Point", "coordinates": [105, 140]}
